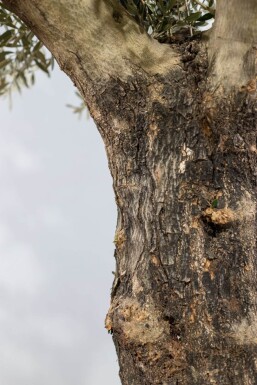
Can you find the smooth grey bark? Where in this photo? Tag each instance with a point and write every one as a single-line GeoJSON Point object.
{"type": "Point", "coordinates": [179, 126]}
{"type": "Point", "coordinates": [233, 44]}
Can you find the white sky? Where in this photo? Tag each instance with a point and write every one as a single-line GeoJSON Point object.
{"type": "Point", "coordinates": [57, 223]}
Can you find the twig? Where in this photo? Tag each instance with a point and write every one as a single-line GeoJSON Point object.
{"type": "Point", "coordinates": [212, 11]}
{"type": "Point", "coordinates": [188, 13]}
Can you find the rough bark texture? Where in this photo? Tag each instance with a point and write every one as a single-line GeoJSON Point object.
{"type": "Point", "coordinates": [181, 145]}
{"type": "Point", "coordinates": [184, 300]}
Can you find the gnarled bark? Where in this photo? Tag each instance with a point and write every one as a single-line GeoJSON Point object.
{"type": "Point", "coordinates": [184, 302]}
{"type": "Point", "coordinates": [180, 136]}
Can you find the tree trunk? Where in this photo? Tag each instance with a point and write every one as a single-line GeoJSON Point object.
{"type": "Point", "coordinates": [184, 300]}
{"type": "Point", "coordinates": [180, 135]}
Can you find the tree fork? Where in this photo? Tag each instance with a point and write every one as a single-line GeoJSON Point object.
{"type": "Point", "coordinates": [180, 134]}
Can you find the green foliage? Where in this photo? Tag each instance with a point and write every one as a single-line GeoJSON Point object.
{"type": "Point", "coordinates": [214, 204]}
{"type": "Point", "coordinates": [164, 18]}
{"type": "Point", "coordinates": [21, 54]}
{"type": "Point", "coordinates": [80, 108]}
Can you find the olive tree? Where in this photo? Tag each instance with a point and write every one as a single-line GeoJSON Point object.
{"type": "Point", "coordinates": [176, 109]}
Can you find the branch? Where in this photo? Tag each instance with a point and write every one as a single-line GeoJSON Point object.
{"type": "Point", "coordinates": [205, 7]}
{"type": "Point", "coordinates": [232, 49]}
{"type": "Point", "coordinates": [98, 32]}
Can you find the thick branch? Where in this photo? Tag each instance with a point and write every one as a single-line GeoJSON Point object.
{"type": "Point", "coordinates": [232, 49]}
{"type": "Point", "coordinates": [98, 46]}
{"type": "Point", "coordinates": [98, 33]}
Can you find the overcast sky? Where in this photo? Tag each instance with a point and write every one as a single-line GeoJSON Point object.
{"type": "Point", "coordinates": [57, 224]}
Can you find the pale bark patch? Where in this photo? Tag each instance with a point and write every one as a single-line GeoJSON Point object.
{"type": "Point", "coordinates": [182, 167]}
{"type": "Point", "coordinates": [245, 332]}
{"type": "Point", "coordinates": [245, 212]}
{"type": "Point", "coordinates": [187, 154]}
{"type": "Point", "coordinates": [220, 217]}
{"type": "Point", "coordinates": [119, 239]}
{"type": "Point", "coordinates": [247, 207]}
{"type": "Point", "coordinates": [152, 133]}
{"type": "Point", "coordinates": [141, 324]}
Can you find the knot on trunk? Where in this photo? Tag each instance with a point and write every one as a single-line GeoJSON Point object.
{"type": "Point", "coordinates": [136, 323]}
{"type": "Point", "coordinates": [143, 332]}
